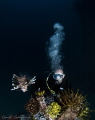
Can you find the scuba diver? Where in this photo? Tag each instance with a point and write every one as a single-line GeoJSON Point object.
{"type": "Point", "coordinates": [57, 81]}
{"type": "Point", "coordinates": [54, 83]}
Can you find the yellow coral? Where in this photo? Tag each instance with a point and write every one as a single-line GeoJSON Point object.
{"type": "Point", "coordinates": [40, 93]}
{"type": "Point", "coordinates": [53, 110]}
{"type": "Point", "coordinates": [84, 113]}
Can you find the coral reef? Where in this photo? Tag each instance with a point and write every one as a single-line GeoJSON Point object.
{"type": "Point", "coordinates": [67, 105]}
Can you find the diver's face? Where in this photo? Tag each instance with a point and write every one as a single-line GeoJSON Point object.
{"type": "Point", "coordinates": [58, 76]}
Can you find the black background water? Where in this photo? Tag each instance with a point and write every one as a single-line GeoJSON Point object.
{"type": "Point", "coordinates": [25, 26]}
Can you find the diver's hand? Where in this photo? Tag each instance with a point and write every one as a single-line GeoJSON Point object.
{"type": "Point", "coordinates": [32, 81]}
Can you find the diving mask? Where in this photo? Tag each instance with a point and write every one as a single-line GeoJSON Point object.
{"type": "Point", "coordinates": [58, 76]}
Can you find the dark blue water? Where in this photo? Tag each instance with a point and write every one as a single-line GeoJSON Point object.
{"type": "Point", "coordinates": [25, 26]}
